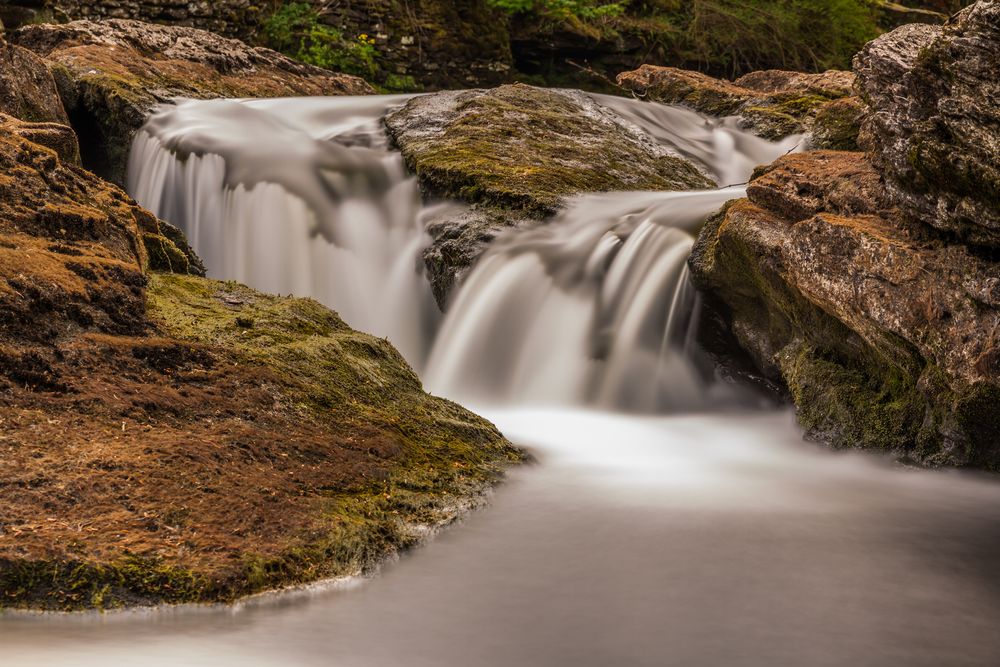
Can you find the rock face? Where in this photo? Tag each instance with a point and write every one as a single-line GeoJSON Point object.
{"type": "Point", "coordinates": [111, 74]}
{"type": "Point", "coordinates": [437, 43]}
{"type": "Point", "coordinates": [883, 333]}
{"type": "Point", "coordinates": [860, 281]}
{"type": "Point", "coordinates": [935, 135]}
{"type": "Point", "coordinates": [233, 18]}
{"type": "Point", "coordinates": [167, 438]}
{"type": "Point", "coordinates": [27, 90]}
{"type": "Point", "coordinates": [770, 103]}
{"type": "Point", "coordinates": [515, 152]}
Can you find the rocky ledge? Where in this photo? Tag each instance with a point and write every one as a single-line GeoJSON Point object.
{"type": "Point", "coordinates": [110, 75]}
{"type": "Point", "coordinates": [515, 153]}
{"type": "Point", "coordinates": [847, 277]}
{"type": "Point", "coordinates": [771, 103]}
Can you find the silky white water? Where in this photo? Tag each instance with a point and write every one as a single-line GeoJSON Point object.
{"type": "Point", "coordinates": [704, 535]}
{"type": "Point", "coordinates": [303, 197]}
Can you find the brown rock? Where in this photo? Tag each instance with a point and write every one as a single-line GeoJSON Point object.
{"type": "Point", "coordinates": [27, 90]}
{"type": "Point", "coordinates": [771, 103]}
{"type": "Point", "coordinates": [933, 127]}
{"type": "Point", "coordinates": [885, 336]}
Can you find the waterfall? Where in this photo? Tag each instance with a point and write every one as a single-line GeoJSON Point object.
{"type": "Point", "coordinates": [305, 197]}
{"type": "Point", "coordinates": [295, 196]}
{"type": "Point", "coordinates": [592, 308]}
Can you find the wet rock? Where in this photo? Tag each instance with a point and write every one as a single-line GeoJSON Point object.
{"type": "Point", "coordinates": [934, 126]}
{"type": "Point", "coordinates": [771, 103]}
{"type": "Point", "coordinates": [111, 74]}
{"type": "Point", "coordinates": [459, 238]}
{"type": "Point", "coordinates": [527, 148]}
{"type": "Point", "coordinates": [884, 334]}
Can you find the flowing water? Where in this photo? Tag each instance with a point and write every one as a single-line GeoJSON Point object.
{"type": "Point", "coordinates": [665, 523]}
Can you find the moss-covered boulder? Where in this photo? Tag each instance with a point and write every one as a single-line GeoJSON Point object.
{"type": "Point", "coordinates": [770, 103]}
{"type": "Point", "coordinates": [883, 333]}
{"type": "Point", "coordinates": [112, 73]}
{"type": "Point", "coordinates": [516, 152]}
{"type": "Point", "coordinates": [933, 127]}
{"type": "Point", "coordinates": [167, 438]}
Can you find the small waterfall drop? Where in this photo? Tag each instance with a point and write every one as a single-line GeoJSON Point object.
{"type": "Point", "coordinates": [304, 197]}
{"type": "Point", "coordinates": [295, 196]}
{"type": "Point", "coordinates": [595, 307]}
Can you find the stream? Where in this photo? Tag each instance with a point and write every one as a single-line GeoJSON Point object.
{"type": "Point", "coordinates": [670, 518]}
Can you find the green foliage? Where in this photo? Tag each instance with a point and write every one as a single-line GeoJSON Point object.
{"type": "Point", "coordinates": [719, 36]}
{"type": "Point", "coordinates": [295, 29]}
{"type": "Point", "coordinates": [736, 36]}
{"type": "Point", "coordinates": [563, 9]}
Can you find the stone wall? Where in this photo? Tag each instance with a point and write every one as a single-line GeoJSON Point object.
{"type": "Point", "coordinates": [232, 18]}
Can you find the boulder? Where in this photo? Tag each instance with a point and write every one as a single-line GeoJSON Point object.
{"type": "Point", "coordinates": [27, 90]}
{"type": "Point", "coordinates": [934, 126]}
{"type": "Point", "coordinates": [111, 74]}
{"type": "Point", "coordinates": [771, 103]}
{"type": "Point", "coordinates": [169, 438]}
{"type": "Point", "coordinates": [883, 333]}
{"type": "Point", "coordinates": [516, 152]}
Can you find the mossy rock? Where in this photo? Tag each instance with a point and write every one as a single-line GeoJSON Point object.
{"type": "Point", "coordinates": [772, 104]}
{"type": "Point", "coordinates": [525, 148]}
{"type": "Point", "coordinates": [319, 440]}
{"type": "Point", "coordinates": [881, 332]}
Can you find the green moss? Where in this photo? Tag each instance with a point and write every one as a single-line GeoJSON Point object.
{"type": "Point", "coordinates": [164, 255]}
{"type": "Point", "coordinates": [73, 585]}
{"type": "Point", "coordinates": [443, 457]}
{"type": "Point", "coordinates": [849, 405]}
{"type": "Point", "coordinates": [527, 148]}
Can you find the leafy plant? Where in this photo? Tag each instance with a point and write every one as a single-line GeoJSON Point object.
{"type": "Point", "coordinates": [296, 30]}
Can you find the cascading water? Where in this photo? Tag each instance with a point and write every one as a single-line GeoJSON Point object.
{"type": "Point", "coordinates": [295, 196]}
{"type": "Point", "coordinates": [639, 540]}
{"type": "Point", "coordinates": [302, 196]}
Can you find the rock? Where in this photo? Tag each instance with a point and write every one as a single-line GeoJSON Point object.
{"type": "Point", "coordinates": [459, 238]}
{"type": "Point", "coordinates": [771, 103]}
{"type": "Point", "coordinates": [527, 148]}
{"type": "Point", "coordinates": [516, 152]}
{"type": "Point", "coordinates": [837, 125]}
{"type": "Point", "coordinates": [111, 74]}
{"type": "Point", "coordinates": [884, 334]}
{"type": "Point", "coordinates": [232, 18]}
{"type": "Point", "coordinates": [27, 90]}
{"type": "Point", "coordinates": [170, 439]}
{"type": "Point", "coordinates": [934, 126]}
{"type": "Point", "coordinates": [434, 44]}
